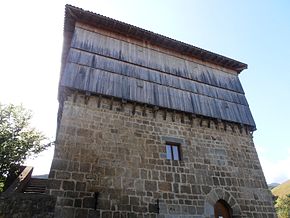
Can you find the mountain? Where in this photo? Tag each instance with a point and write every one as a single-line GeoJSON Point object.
{"type": "Point", "coordinates": [273, 185]}
{"type": "Point", "coordinates": [44, 176]}
{"type": "Point", "coordinates": [282, 189]}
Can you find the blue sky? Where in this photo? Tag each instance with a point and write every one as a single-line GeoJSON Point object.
{"type": "Point", "coordinates": [253, 32]}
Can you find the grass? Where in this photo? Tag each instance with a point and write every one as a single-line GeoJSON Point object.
{"type": "Point", "coordinates": [282, 189]}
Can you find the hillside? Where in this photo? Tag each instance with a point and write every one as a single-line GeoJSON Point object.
{"type": "Point", "coordinates": [273, 185]}
{"type": "Point", "coordinates": [282, 189]}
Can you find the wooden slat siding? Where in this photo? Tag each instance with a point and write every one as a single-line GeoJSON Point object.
{"type": "Point", "coordinates": [106, 83]}
{"type": "Point", "coordinates": [119, 67]}
{"type": "Point", "coordinates": [103, 45]}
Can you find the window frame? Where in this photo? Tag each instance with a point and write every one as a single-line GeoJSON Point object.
{"type": "Point", "coordinates": [172, 145]}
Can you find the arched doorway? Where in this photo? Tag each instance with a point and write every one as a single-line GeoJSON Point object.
{"type": "Point", "coordinates": [222, 209]}
{"type": "Point", "coordinates": [226, 199]}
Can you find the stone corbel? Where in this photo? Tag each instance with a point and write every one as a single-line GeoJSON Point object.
{"type": "Point", "coordinates": [87, 97]}
{"type": "Point", "coordinates": [155, 109]}
{"type": "Point", "coordinates": [134, 108]}
{"type": "Point", "coordinates": [99, 100]}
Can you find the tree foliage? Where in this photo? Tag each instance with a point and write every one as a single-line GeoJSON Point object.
{"type": "Point", "coordinates": [18, 139]}
{"type": "Point", "coordinates": [282, 206]}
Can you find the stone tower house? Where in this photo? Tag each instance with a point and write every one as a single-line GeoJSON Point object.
{"type": "Point", "coordinates": [151, 127]}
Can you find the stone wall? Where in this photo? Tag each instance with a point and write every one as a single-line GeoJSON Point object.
{"type": "Point", "coordinates": [24, 205]}
{"type": "Point", "coordinates": [119, 152]}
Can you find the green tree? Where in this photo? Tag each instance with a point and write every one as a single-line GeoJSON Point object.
{"type": "Point", "coordinates": [283, 206]}
{"type": "Point", "coordinates": [18, 139]}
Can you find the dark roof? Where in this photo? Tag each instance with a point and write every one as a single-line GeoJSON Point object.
{"type": "Point", "coordinates": [104, 65]}
{"type": "Point", "coordinates": [73, 14]}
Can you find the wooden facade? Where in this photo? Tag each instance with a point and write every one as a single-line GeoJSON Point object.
{"type": "Point", "coordinates": [115, 65]}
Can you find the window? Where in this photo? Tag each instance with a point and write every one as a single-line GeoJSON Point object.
{"type": "Point", "coordinates": [173, 151]}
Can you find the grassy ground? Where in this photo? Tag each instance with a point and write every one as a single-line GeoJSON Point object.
{"type": "Point", "coordinates": [282, 189]}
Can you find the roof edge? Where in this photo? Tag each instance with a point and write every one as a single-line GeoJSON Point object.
{"type": "Point", "coordinates": [73, 14]}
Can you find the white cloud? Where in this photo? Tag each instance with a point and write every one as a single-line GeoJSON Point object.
{"type": "Point", "coordinates": [41, 164]}
{"type": "Point", "coordinates": [274, 170]}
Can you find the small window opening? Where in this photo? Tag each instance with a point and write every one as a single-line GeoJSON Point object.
{"type": "Point", "coordinates": [173, 151]}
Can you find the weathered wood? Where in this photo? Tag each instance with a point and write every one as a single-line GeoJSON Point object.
{"type": "Point", "coordinates": [142, 73]}
{"type": "Point", "coordinates": [114, 68]}
{"type": "Point", "coordinates": [132, 89]}
{"type": "Point", "coordinates": [20, 182]}
{"type": "Point", "coordinates": [111, 47]}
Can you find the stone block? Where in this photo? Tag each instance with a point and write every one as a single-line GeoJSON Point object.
{"type": "Point", "coordinates": [175, 187]}
{"type": "Point", "coordinates": [150, 185]}
{"type": "Point", "coordinates": [185, 189]}
{"type": "Point", "coordinates": [65, 212]}
{"type": "Point", "coordinates": [89, 202]}
{"type": "Point", "coordinates": [125, 207]}
{"type": "Point", "coordinates": [77, 176]}
{"type": "Point", "coordinates": [59, 164]}
{"type": "Point", "coordinates": [104, 204]}
{"type": "Point", "coordinates": [81, 213]}
{"type": "Point", "coordinates": [134, 200]}
{"type": "Point", "coordinates": [124, 200]}
{"type": "Point", "coordinates": [169, 177]}
{"type": "Point", "coordinates": [54, 184]}
{"type": "Point", "coordinates": [107, 214]}
{"type": "Point", "coordinates": [153, 208]}
{"type": "Point", "coordinates": [68, 185]}
{"type": "Point", "coordinates": [70, 130]}
{"type": "Point", "coordinates": [85, 167]}
{"type": "Point", "coordinates": [196, 189]}
{"type": "Point", "coordinates": [176, 177]}
{"type": "Point", "coordinates": [84, 132]}
{"type": "Point", "coordinates": [216, 181]}
{"type": "Point", "coordinates": [57, 193]}
{"type": "Point", "coordinates": [65, 202]}
{"type": "Point", "coordinates": [139, 209]}
{"type": "Point", "coordinates": [78, 202]}
{"type": "Point", "coordinates": [174, 209]}
{"type": "Point", "coordinates": [139, 185]}
{"type": "Point", "coordinates": [143, 174]}
{"type": "Point", "coordinates": [71, 194]}
{"type": "Point", "coordinates": [165, 186]}
{"type": "Point", "coordinates": [206, 189]}
{"type": "Point", "coordinates": [94, 214]}
{"type": "Point", "coordinates": [132, 215]}
{"type": "Point", "coordinates": [73, 166]}
{"type": "Point", "coordinates": [80, 186]}
{"type": "Point", "coordinates": [63, 175]}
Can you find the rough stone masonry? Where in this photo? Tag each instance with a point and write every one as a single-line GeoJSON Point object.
{"type": "Point", "coordinates": [122, 157]}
